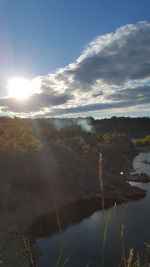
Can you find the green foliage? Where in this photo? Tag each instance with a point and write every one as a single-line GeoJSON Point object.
{"type": "Point", "coordinates": [76, 144]}
{"type": "Point", "coordinates": [143, 141]}
{"type": "Point", "coordinates": [111, 137]}
{"type": "Point", "coordinates": [71, 131]}
{"type": "Point", "coordinates": [16, 138]}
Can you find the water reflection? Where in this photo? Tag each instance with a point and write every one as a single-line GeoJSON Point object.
{"type": "Point", "coordinates": [141, 163]}
{"type": "Point", "coordinates": [68, 215]}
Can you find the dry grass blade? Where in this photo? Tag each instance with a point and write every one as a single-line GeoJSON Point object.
{"type": "Point", "coordinates": [130, 258]}
{"type": "Point", "coordinates": [101, 178]}
{"type": "Point", "coordinates": [146, 244]}
{"type": "Point", "coordinates": [28, 249]}
{"type": "Point", "coordinates": [106, 228]}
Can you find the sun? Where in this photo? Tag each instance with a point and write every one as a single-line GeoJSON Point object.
{"type": "Point", "coordinates": [21, 88]}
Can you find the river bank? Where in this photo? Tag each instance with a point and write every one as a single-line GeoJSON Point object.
{"type": "Point", "coordinates": [143, 178]}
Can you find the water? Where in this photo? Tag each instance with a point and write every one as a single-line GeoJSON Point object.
{"type": "Point", "coordinates": [141, 163]}
{"type": "Point", "coordinates": [81, 243]}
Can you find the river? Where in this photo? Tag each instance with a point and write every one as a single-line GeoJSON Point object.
{"type": "Point", "coordinates": [81, 240]}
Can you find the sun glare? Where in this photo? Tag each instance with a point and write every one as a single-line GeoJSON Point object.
{"type": "Point", "coordinates": [22, 88]}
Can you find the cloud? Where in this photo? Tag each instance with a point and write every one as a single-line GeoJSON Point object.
{"type": "Point", "coordinates": [116, 58]}
{"type": "Point", "coordinates": [139, 95]}
{"type": "Point", "coordinates": [123, 99]}
{"type": "Point", "coordinates": [34, 103]}
{"type": "Point", "coordinates": [112, 72]}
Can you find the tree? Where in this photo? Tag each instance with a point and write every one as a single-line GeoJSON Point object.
{"type": "Point", "coordinates": [16, 139]}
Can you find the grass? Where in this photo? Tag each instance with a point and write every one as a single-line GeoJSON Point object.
{"type": "Point", "coordinates": [28, 248]}
{"type": "Point", "coordinates": [143, 141]}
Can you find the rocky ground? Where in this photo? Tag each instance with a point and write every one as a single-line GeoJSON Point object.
{"type": "Point", "coordinates": [16, 216]}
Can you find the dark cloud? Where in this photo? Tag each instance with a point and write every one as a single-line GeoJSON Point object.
{"type": "Point", "coordinates": [138, 94]}
{"type": "Point", "coordinates": [125, 57]}
{"type": "Point", "coordinates": [34, 103]}
{"type": "Point", "coordinates": [125, 98]}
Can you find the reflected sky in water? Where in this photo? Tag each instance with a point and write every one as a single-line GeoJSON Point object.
{"type": "Point", "coordinates": [141, 163]}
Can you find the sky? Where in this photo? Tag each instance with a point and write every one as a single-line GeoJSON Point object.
{"type": "Point", "coordinates": [82, 58]}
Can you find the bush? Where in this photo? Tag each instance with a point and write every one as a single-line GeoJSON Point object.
{"type": "Point", "coordinates": [143, 141]}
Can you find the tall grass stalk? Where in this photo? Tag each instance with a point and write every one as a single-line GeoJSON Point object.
{"type": "Point", "coordinates": [61, 260]}
{"type": "Point", "coordinates": [26, 242]}
{"type": "Point", "coordinates": [106, 228]}
{"type": "Point", "coordinates": [101, 178]}
{"type": "Point", "coordinates": [58, 262]}
{"type": "Point", "coordinates": [107, 217]}
{"type": "Point", "coordinates": [122, 245]}
{"type": "Point", "coordinates": [130, 258]}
